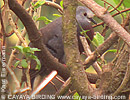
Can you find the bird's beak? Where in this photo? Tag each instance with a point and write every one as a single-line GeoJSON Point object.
{"type": "Point", "coordinates": [92, 20]}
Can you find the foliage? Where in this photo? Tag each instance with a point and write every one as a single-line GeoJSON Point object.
{"type": "Point", "coordinates": [98, 39]}
{"type": "Point", "coordinates": [61, 3]}
{"type": "Point", "coordinates": [76, 96]}
{"type": "Point", "coordinates": [43, 18]}
{"type": "Point", "coordinates": [57, 15]}
{"type": "Point", "coordinates": [28, 52]}
{"type": "Point", "coordinates": [125, 4]}
{"type": "Point", "coordinates": [38, 4]}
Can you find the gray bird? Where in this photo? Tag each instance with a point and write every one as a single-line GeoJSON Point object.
{"type": "Point", "coordinates": [52, 38]}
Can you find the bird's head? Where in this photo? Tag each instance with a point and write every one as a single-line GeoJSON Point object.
{"type": "Point", "coordinates": [85, 14]}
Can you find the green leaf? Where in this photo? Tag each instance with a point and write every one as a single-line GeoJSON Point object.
{"type": "Point", "coordinates": [76, 96]}
{"type": "Point", "coordinates": [38, 4]}
{"type": "Point", "coordinates": [61, 3]}
{"type": "Point", "coordinates": [35, 49]}
{"type": "Point", "coordinates": [26, 49]}
{"type": "Point", "coordinates": [34, 57]}
{"type": "Point", "coordinates": [16, 64]}
{"type": "Point", "coordinates": [28, 55]}
{"type": "Point", "coordinates": [43, 18]}
{"type": "Point", "coordinates": [24, 64]}
{"type": "Point", "coordinates": [98, 39]}
{"type": "Point", "coordinates": [57, 15]}
{"type": "Point", "coordinates": [32, 4]}
{"type": "Point", "coordinates": [41, 2]}
{"type": "Point", "coordinates": [112, 50]}
{"type": "Point", "coordinates": [20, 48]}
{"type": "Point", "coordinates": [30, 50]}
{"type": "Point", "coordinates": [38, 66]}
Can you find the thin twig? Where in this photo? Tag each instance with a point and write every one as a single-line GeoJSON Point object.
{"type": "Point", "coordinates": [44, 83]}
{"type": "Point", "coordinates": [13, 76]}
{"type": "Point", "coordinates": [127, 74]}
{"type": "Point", "coordinates": [65, 88]}
{"type": "Point", "coordinates": [116, 6]}
{"type": "Point", "coordinates": [101, 49]}
{"type": "Point", "coordinates": [101, 23]}
{"type": "Point", "coordinates": [55, 5]}
{"type": "Point", "coordinates": [126, 78]}
{"type": "Point", "coordinates": [88, 52]}
{"type": "Point", "coordinates": [128, 9]}
{"type": "Point", "coordinates": [2, 29]}
{"type": "Point", "coordinates": [60, 79]}
{"type": "Point", "coordinates": [114, 9]}
{"type": "Point", "coordinates": [54, 85]}
{"type": "Point", "coordinates": [101, 13]}
{"type": "Point", "coordinates": [16, 32]}
{"type": "Point", "coordinates": [28, 75]}
{"type": "Point", "coordinates": [22, 90]}
{"type": "Point", "coordinates": [23, 2]}
{"type": "Point", "coordinates": [12, 56]}
{"type": "Point", "coordinates": [104, 31]}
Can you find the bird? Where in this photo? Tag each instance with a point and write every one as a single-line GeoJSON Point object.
{"type": "Point", "coordinates": [52, 38]}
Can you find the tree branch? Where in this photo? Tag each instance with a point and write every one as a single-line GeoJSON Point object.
{"type": "Point", "coordinates": [88, 53]}
{"type": "Point", "coordinates": [101, 49]}
{"type": "Point", "coordinates": [101, 13]}
{"type": "Point", "coordinates": [77, 72]}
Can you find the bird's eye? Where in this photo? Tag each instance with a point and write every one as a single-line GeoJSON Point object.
{"type": "Point", "coordinates": [85, 14]}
